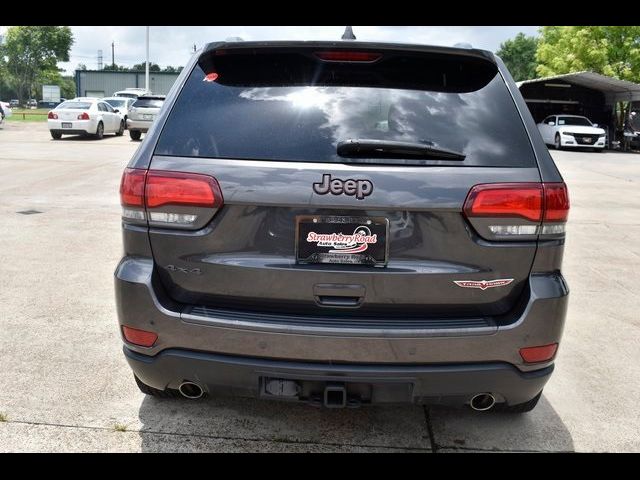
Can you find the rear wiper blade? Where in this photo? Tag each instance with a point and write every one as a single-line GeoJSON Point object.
{"type": "Point", "coordinates": [364, 147]}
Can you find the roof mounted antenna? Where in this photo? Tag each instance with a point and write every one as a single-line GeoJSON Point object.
{"type": "Point", "coordinates": [348, 34]}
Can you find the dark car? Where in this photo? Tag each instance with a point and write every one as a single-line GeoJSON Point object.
{"type": "Point", "coordinates": [344, 224]}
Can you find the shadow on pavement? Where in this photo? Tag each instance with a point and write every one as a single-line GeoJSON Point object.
{"type": "Point", "coordinates": [462, 430]}
{"type": "Point", "coordinates": [238, 424]}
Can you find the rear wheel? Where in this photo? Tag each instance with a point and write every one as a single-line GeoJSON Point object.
{"type": "Point", "coordinates": [56, 135]}
{"type": "Point", "coordinates": [100, 131]}
{"type": "Point", "coordinates": [120, 131]}
{"type": "Point", "coordinates": [135, 134]}
{"type": "Point", "coordinates": [154, 392]}
{"type": "Point", "coordinates": [556, 143]}
{"type": "Point", "coordinates": [521, 407]}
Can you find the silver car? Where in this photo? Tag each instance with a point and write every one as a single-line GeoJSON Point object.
{"type": "Point", "coordinates": [142, 114]}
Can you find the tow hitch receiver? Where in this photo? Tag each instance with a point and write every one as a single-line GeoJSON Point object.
{"type": "Point", "coordinates": [335, 395]}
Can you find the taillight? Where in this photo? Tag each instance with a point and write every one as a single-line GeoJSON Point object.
{"type": "Point", "coordinates": [83, 116]}
{"type": "Point", "coordinates": [52, 116]}
{"type": "Point", "coordinates": [176, 188]}
{"type": "Point", "coordinates": [168, 198]}
{"type": "Point", "coordinates": [139, 337]}
{"type": "Point", "coordinates": [536, 209]}
{"type": "Point", "coordinates": [348, 56]}
{"type": "Point", "coordinates": [542, 353]}
{"type": "Point", "coordinates": [522, 200]}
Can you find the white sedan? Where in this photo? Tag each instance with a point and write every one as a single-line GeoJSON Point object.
{"type": "Point", "coordinates": [85, 116]}
{"type": "Point", "coordinates": [572, 131]}
{"type": "Point", "coordinates": [122, 104]}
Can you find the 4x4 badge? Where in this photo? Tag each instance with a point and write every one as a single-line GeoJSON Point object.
{"type": "Point", "coordinates": [483, 284]}
{"type": "Point", "coordinates": [336, 186]}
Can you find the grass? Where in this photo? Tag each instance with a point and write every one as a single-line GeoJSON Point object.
{"type": "Point", "coordinates": [119, 427]}
{"type": "Point", "coordinates": [3, 417]}
{"type": "Point", "coordinates": [36, 115]}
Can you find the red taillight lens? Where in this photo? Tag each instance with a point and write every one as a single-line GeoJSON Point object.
{"type": "Point", "coordinates": [139, 337]}
{"type": "Point", "coordinates": [176, 188]}
{"type": "Point", "coordinates": [132, 188]}
{"type": "Point", "coordinates": [348, 56]}
{"type": "Point", "coordinates": [556, 202]}
{"type": "Point", "coordinates": [83, 116]}
{"type": "Point", "coordinates": [52, 116]}
{"type": "Point", "coordinates": [505, 200]}
{"type": "Point", "coordinates": [542, 353]}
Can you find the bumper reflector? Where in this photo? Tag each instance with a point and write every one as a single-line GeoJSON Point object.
{"type": "Point", "coordinates": [539, 354]}
{"type": "Point", "coordinates": [139, 337]}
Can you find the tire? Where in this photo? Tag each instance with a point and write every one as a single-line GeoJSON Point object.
{"type": "Point", "coordinates": [556, 143]}
{"type": "Point", "coordinates": [135, 134]}
{"type": "Point", "coordinates": [521, 407]}
{"type": "Point", "coordinates": [120, 131]}
{"type": "Point", "coordinates": [99, 131]}
{"type": "Point", "coordinates": [56, 135]}
{"type": "Point", "coordinates": [154, 392]}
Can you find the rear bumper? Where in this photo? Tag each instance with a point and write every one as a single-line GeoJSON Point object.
{"type": "Point", "coordinates": [141, 125]}
{"type": "Point", "coordinates": [233, 353]}
{"type": "Point", "coordinates": [78, 126]}
{"type": "Point", "coordinates": [364, 384]}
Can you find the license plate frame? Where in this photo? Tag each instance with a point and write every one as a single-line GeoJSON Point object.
{"type": "Point", "coordinates": [67, 125]}
{"type": "Point", "coordinates": [339, 240]}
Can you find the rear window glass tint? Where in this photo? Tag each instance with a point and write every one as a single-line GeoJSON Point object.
{"type": "Point", "coordinates": [148, 103]}
{"type": "Point", "coordinates": [74, 105]}
{"type": "Point", "coordinates": [267, 107]}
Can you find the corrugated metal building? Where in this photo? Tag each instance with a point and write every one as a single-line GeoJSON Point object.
{"type": "Point", "coordinates": [103, 83]}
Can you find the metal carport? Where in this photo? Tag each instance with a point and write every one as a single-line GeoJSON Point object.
{"type": "Point", "coordinates": [582, 93]}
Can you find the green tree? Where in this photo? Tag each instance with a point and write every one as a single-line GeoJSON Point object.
{"type": "Point", "coordinates": [33, 51]}
{"type": "Point", "coordinates": [519, 55]}
{"type": "Point", "coordinates": [153, 67]}
{"type": "Point", "coordinates": [612, 51]}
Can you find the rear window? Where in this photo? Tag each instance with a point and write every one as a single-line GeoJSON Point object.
{"type": "Point", "coordinates": [297, 108]}
{"type": "Point", "coordinates": [148, 103]}
{"type": "Point", "coordinates": [74, 105]}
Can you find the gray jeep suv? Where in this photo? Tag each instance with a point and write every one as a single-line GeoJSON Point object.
{"type": "Point", "coordinates": [343, 224]}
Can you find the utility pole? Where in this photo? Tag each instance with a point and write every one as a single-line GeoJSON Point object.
{"type": "Point", "coordinates": [113, 54]}
{"type": "Point", "coordinates": [146, 68]}
{"type": "Point", "coordinates": [99, 59]}
{"type": "Point", "coordinates": [194, 48]}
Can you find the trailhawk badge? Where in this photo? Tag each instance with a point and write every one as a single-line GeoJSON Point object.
{"type": "Point", "coordinates": [483, 284]}
{"type": "Point", "coordinates": [340, 243]}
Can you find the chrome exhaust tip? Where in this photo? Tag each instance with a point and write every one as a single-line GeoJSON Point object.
{"type": "Point", "coordinates": [482, 402]}
{"type": "Point", "coordinates": [191, 390]}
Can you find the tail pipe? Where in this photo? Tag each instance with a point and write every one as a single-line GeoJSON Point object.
{"type": "Point", "coordinates": [191, 390]}
{"type": "Point", "coordinates": [482, 402]}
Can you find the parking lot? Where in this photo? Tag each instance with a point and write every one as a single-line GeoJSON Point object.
{"type": "Point", "coordinates": [65, 385]}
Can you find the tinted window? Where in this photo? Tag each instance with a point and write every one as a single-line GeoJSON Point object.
{"type": "Point", "coordinates": [579, 121]}
{"type": "Point", "coordinates": [148, 103]}
{"type": "Point", "coordinates": [74, 105]}
{"type": "Point", "coordinates": [116, 103]}
{"type": "Point", "coordinates": [268, 111]}
{"type": "Point", "coordinates": [107, 107]}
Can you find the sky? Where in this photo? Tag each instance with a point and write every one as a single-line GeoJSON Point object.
{"type": "Point", "coordinates": [174, 45]}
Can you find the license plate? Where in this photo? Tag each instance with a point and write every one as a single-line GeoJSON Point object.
{"type": "Point", "coordinates": [342, 240]}
{"type": "Point", "coordinates": [147, 116]}
{"type": "Point", "coordinates": [67, 125]}
{"type": "Point", "coordinates": [586, 139]}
